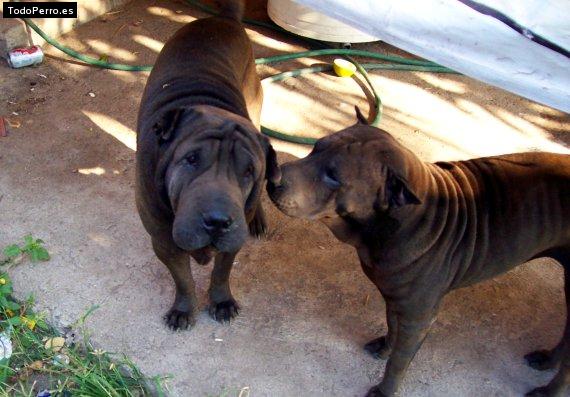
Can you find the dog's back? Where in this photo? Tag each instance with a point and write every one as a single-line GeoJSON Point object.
{"type": "Point", "coordinates": [214, 43]}
{"type": "Point", "coordinates": [521, 207]}
{"type": "Point", "coordinates": [208, 58]}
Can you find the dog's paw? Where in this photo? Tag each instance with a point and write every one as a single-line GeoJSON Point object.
{"type": "Point", "coordinates": [540, 360]}
{"type": "Point", "coordinates": [258, 225]}
{"type": "Point", "coordinates": [258, 228]}
{"type": "Point", "coordinates": [178, 319]}
{"type": "Point", "coordinates": [538, 392]}
{"type": "Point", "coordinates": [378, 348]}
{"type": "Point", "coordinates": [224, 311]}
{"type": "Point", "coordinates": [375, 392]}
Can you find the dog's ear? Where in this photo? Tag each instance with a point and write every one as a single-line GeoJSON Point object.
{"type": "Point", "coordinates": [360, 117]}
{"type": "Point", "coordinates": [272, 173]}
{"type": "Point", "coordinates": [398, 192]}
{"type": "Point", "coordinates": [166, 124]}
{"type": "Point", "coordinates": [395, 194]}
{"type": "Point", "coordinates": [272, 169]}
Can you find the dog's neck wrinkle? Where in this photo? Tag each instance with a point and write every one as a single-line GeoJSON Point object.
{"type": "Point", "coordinates": [459, 221]}
{"type": "Point", "coordinates": [447, 240]}
{"type": "Point", "coordinates": [447, 216]}
{"type": "Point", "coordinates": [488, 209]}
{"type": "Point", "coordinates": [410, 231]}
{"type": "Point", "coordinates": [177, 93]}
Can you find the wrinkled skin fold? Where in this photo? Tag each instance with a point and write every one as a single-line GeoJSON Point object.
{"type": "Point", "coordinates": [201, 161]}
{"type": "Point", "coordinates": [423, 229]}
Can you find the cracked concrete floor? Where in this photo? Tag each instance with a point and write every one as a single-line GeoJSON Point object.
{"type": "Point", "coordinates": [66, 175]}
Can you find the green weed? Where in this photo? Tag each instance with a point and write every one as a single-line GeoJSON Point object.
{"type": "Point", "coordinates": [44, 359]}
{"type": "Point", "coordinates": [32, 248]}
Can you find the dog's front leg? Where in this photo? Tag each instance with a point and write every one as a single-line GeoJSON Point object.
{"type": "Point", "coordinates": [382, 347]}
{"type": "Point", "coordinates": [181, 315]}
{"type": "Point", "coordinates": [412, 331]}
{"type": "Point", "coordinates": [223, 306]}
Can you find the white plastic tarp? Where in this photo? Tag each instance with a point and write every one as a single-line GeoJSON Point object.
{"type": "Point", "coordinates": [457, 36]}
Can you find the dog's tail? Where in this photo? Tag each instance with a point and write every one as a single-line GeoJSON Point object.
{"type": "Point", "coordinates": [231, 8]}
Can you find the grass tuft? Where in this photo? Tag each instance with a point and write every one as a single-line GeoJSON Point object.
{"type": "Point", "coordinates": [45, 362]}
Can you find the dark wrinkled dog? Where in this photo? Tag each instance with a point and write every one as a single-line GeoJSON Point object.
{"type": "Point", "coordinates": [424, 229]}
{"type": "Point", "coordinates": [201, 162]}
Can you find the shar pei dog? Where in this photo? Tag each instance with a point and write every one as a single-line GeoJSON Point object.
{"type": "Point", "coordinates": [423, 229]}
{"type": "Point", "coordinates": [201, 162]}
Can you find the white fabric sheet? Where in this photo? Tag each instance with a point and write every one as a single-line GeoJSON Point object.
{"type": "Point", "coordinates": [454, 35]}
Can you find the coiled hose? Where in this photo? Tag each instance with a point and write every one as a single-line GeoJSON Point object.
{"type": "Point", "coordinates": [391, 63]}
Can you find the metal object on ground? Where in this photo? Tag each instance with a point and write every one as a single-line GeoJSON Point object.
{"type": "Point", "coordinates": [5, 346]}
{"type": "Point", "coordinates": [25, 56]}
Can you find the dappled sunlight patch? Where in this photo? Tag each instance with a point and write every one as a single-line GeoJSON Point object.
{"type": "Point", "coordinates": [148, 42]}
{"type": "Point", "coordinates": [91, 171]}
{"type": "Point", "coordinates": [114, 128]}
{"type": "Point", "coordinates": [443, 83]}
{"type": "Point", "coordinates": [131, 78]}
{"type": "Point", "coordinates": [61, 24]}
{"type": "Point", "coordinates": [548, 122]}
{"type": "Point", "coordinates": [100, 239]}
{"type": "Point", "coordinates": [169, 14]}
{"type": "Point", "coordinates": [530, 131]}
{"type": "Point", "coordinates": [330, 99]}
{"type": "Point", "coordinates": [473, 109]}
{"type": "Point", "coordinates": [274, 44]}
{"type": "Point", "coordinates": [406, 96]}
{"type": "Point", "coordinates": [92, 7]}
{"type": "Point", "coordinates": [425, 139]}
{"type": "Point", "coordinates": [296, 150]}
{"type": "Point", "coordinates": [503, 132]}
{"type": "Point", "coordinates": [461, 123]}
{"type": "Point", "coordinates": [284, 108]}
{"type": "Point", "coordinates": [104, 48]}
{"type": "Point", "coordinates": [544, 109]}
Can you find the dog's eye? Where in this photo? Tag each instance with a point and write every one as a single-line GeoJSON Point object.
{"type": "Point", "coordinates": [249, 171]}
{"type": "Point", "coordinates": [192, 159]}
{"type": "Point", "coordinates": [330, 178]}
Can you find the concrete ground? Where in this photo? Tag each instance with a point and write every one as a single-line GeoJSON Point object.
{"type": "Point", "coordinates": [67, 177]}
{"type": "Point", "coordinates": [14, 32]}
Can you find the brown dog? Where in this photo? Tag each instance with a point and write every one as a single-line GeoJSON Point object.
{"type": "Point", "coordinates": [424, 229]}
{"type": "Point", "coordinates": [201, 162]}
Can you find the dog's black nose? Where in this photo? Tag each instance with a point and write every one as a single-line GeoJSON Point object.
{"type": "Point", "coordinates": [215, 222]}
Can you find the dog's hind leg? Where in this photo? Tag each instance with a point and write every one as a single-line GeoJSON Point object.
{"type": "Point", "coordinates": [181, 315]}
{"type": "Point", "coordinates": [560, 355]}
{"type": "Point", "coordinates": [223, 306]}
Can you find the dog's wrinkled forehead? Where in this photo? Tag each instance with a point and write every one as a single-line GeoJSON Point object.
{"type": "Point", "coordinates": [199, 125]}
{"type": "Point", "coordinates": [370, 139]}
{"type": "Point", "coordinates": [366, 145]}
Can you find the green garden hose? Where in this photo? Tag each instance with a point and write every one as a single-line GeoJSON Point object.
{"type": "Point", "coordinates": [85, 58]}
{"type": "Point", "coordinates": [397, 63]}
{"type": "Point", "coordinates": [338, 51]}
